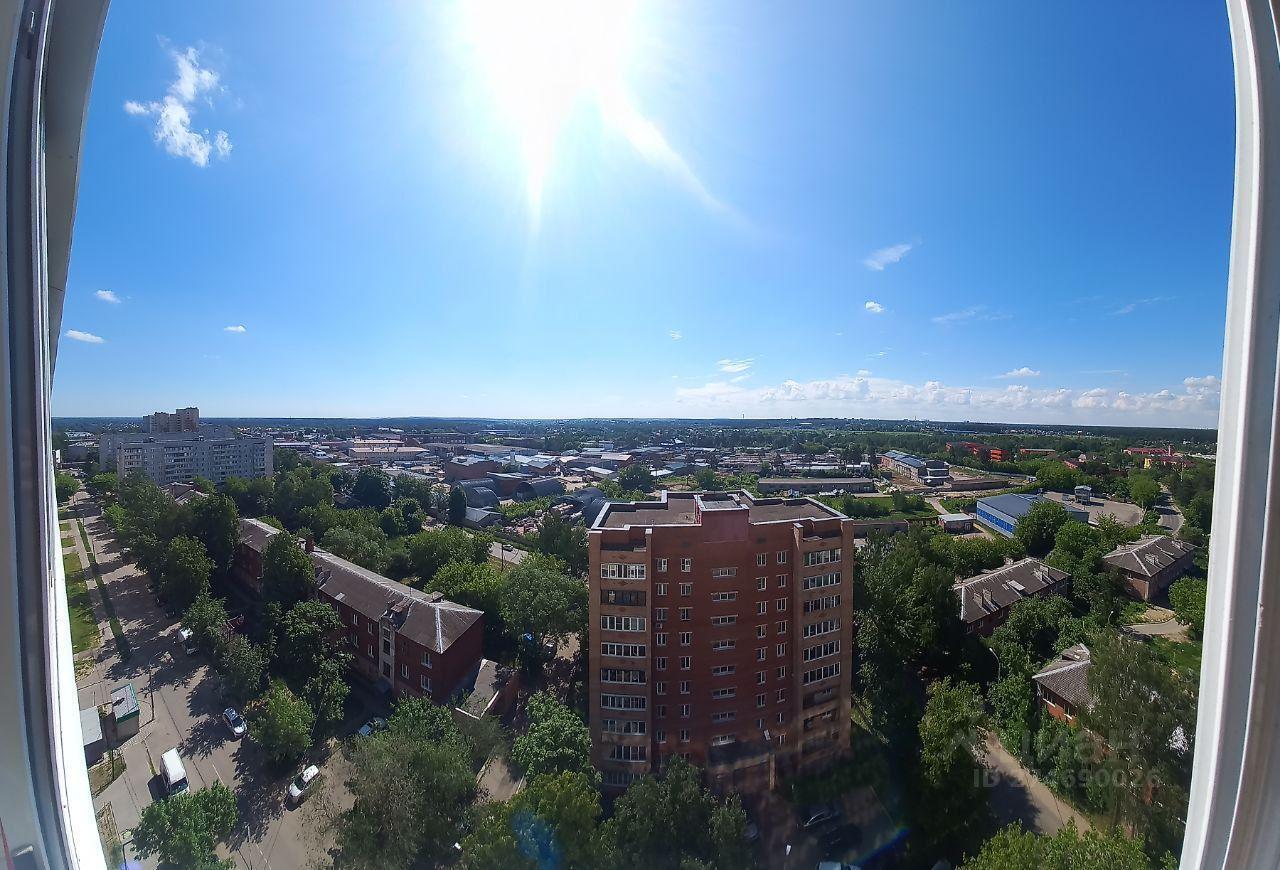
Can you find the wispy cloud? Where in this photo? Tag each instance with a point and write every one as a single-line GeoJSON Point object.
{"type": "Point", "coordinates": [1130, 307]}
{"type": "Point", "coordinates": [733, 366]}
{"type": "Point", "coordinates": [737, 379]}
{"type": "Point", "coordinates": [86, 337]}
{"type": "Point", "coordinates": [1023, 372]}
{"type": "Point", "coordinates": [973, 314]}
{"type": "Point", "coordinates": [107, 296]}
{"type": "Point", "coordinates": [676, 334]}
{"type": "Point", "coordinates": [236, 329]}
{"type": "Point", "coordinates": [874, 307]}
{"type": "Point", "coordinates": [877, 260]}
{"type": "Point", "coordinates": [172, 113]}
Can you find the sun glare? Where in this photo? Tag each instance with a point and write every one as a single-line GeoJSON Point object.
{"type": "Point", "coordinates": [541, 61]}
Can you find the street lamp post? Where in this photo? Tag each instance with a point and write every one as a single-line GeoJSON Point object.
{"type": "Point", "coordinates": [997, 658]}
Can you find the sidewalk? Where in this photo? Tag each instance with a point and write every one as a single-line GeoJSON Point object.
{"type": "Point", "coordinates": [1018, 795]}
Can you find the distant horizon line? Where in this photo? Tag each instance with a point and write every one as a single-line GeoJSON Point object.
{"type": "Point", "coordinates": [563, 420]}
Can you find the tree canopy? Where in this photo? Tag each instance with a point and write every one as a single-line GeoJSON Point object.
{"type": "Point", "coordinates": [281, 723]}
{"type": "Point", "coordinates": [183, 830]}
{"type": "Point", "coordinates": [288, 574]}
{"type": "Point", "coordinates": [556, 741]}
{"type": "Point", "coordinates": [1068, 849]}
{"type": "Point", "coordinates": [1039, 526]}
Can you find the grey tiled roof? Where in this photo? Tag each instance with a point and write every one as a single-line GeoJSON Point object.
{"type": "Point", "coordinates": [1068, 677]}
{"type": "Point", "coordinates": [255, 534]}
{"type": "Point", "coordinates": [1149, 555]}
{"type": "Point", "coordinates": [424, 617]}
{"type": "Point", "coordinates": [1005, 587]}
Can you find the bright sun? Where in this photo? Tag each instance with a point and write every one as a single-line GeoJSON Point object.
{"type": "Point", "coordinates": [542, 59]}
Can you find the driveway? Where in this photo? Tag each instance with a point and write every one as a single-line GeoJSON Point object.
{"type": "Point", "coordinates": [1018, 795]}
{"type": "Point", "coordinates": [181, 698]}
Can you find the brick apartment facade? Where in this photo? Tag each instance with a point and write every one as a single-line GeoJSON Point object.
{"type": "Point", "coordinates": [1149, 565]}
{"type": "Point", "coordinates": [402, 639]}
{"type": "Point", "coordinates": [721, 630]}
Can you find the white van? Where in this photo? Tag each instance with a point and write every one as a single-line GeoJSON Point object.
{"type": "Point", "coordinates": [173, 773]}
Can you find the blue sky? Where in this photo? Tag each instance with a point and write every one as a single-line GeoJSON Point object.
{"type": "Point", "coordinates": [988, 211]}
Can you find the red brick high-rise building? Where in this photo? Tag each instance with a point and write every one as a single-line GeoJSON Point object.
{"type": "Point", "coordinates": [721, 630]}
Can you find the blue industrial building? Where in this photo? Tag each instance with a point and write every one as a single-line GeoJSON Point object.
{"type": "Point", "coordinates": [1002, 512]}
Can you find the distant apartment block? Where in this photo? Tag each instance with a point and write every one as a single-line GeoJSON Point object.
{"type": "Point", "coordinates": [720, 630]}
{"type": "Point", "coordinates": [1149, 565]}
{"type": "Point", "coordinates": [982, 451]}
{"type": "Point", "coordinates": [180, 457]}
{"type": "Point", "coordinates": [403, 640]}
{"type": "Point", "coordinates": [986, 599]}
{"type": "Point", "coordinates": [1002, 512]}
{"type": "Point", "coordinates": [181, 420]}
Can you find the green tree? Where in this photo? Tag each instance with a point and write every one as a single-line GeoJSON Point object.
{"type": "Point", "coordinates": [183, 830]}
{"type": "Point", "coordinates": [1058, 477]}
{"type": "Point", "coordinates": [948, 803]}
{"type": "Point", "coordinates": [355, 546]}
{"type": "Point", "coordinates": [215, 523]}
{"type": "Point", "coordinates": [243, 666]}
{"type": "Point", "coordinates": [1144, 491]}
{"type": "Point", "coordinates": [557, 740]}
{"type": "Point", "coordinates": [411, 784]}
{"type": "Point", "coordinates": [65, 485]}
{"type": "Point", "coordinates": [288, 574]}
{"type": "Point", "coordinates": [1199, 511]}
{"type": "Point", "coordinates": [1068, 849]}
{"type": "Point", "coordinates": [186, 572]}
{"type": "Point", "coordinates": [253, 496]}
{"type": "Point", "coordinates": [1145, 712]}
{"type": "Point", "coordinates": [310, 653]}
{"type": "Point", "coordinates": [432, 549]}
{"type": "Point", "coordinates": [635, 478]}
{"type": "Point", "coordinates": [283, 459]}
{"type": "Point", "coordinates": [204, 484]}
{"type": "Point", "coordinates": [706, 479]}
{"type": "Point", "coordinates": [543, 601]}
{"type": "Point", "coordinates": [552, 822]}
{"type": "Point", "coordinates": [673, 821]}
{"type": "Point", "coordinates": [281, 723]}
{"type": "Point", "coordinates": [1188, 599]}
{"type": "Point", "coordinates": [1039, 526]}
{"type": "Point", "coordinates": [206, 618]}
{"type": "Point", "coordinates": [457, 506]}
{"type": "Point", "coordinates": [372, 488]}
{"type": "Point", "coordinates": [566, 541]}
{"type": "Point", "coordinates": [103, 484]}
{"type": "Point", "coordinates": [296, 490]}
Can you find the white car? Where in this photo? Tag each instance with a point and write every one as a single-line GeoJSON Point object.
{"type": "Point", "coordinates": [299, 787]}
{"type": "Point", "coordinates": [234, 722]}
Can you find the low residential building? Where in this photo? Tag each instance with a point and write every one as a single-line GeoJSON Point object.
{"type": "Point", "coordinates": [251, 543]}
{"type": "Point", "coordinates": [403, 640]}
{"type": "Point", "coordinates": [809, 485]}
{"type": "Point", "coordinates": [1063, 685]}
{"type": "Point", "coordinates": [1150, 457]}
{"type": "Point", "coordinates": [1149, 565]}
{"type": "Point", "coordinates": [986, 599]}
{"type": "Point", "coordinates": [1002, 512]}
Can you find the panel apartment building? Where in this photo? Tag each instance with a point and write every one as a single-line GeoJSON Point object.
{"type": "Point", "coordinates": [174, 448]}
{"type": "Point", "coordinates": [721, 627]}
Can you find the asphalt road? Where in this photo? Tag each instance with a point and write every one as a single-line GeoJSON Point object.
{"type": "Point", "coordinates": [181, 699]}
{"type": "Point", "coordinates": [1017, 795]}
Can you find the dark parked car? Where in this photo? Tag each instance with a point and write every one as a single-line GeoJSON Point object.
{"type": "Point", "coordinates": [819, 814]}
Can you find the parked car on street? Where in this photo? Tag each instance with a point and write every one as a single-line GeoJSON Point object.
{"type": "Point", "coordinates": [235, 722]}
{"type": "Point", "coordinates": [373, 726]}
{"type": "Point", "coordinates": [301, 787]}
{"type": "Point", "coordinates": [819, 814]}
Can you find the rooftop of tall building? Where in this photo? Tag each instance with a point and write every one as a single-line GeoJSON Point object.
{"type": "Point", "coordinates": [687, 508]}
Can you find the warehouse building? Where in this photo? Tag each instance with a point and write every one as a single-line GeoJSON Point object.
{"type": "Point", "coordinates": [1002, 512]}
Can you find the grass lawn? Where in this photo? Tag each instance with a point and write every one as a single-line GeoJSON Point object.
{"type": "Point", "coordinates": [882, 503]}
{"type": "Point", "coordinates": [84, 627]}
{"type": "Point", "coordinates": [1182, 656]}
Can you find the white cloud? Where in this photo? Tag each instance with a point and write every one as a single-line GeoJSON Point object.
{"type": "Point", "coordinates": [237, 329]}
{"type": "Point", "coordinates": [86, 337]}
{"type": "Point", "coordinates": [874, 307]}
{"type": "Point", "coordinates": [877, 260]}
{"type": "Point", "coordinates": [861, 395]}
{"type": "Point", "coordinates": [107, 296]}
{"type": "Point", "coordinates": [173, 112]}
{"type": "Point", "coordinates": [733, 366]}
{"type": "Point", "coordinates": [737, 379]}
{"type": "Point", "coordinates": [676, 334]}
{"type": "Point", "coordinates": [1130, 307]}
{"type": "Point", "coordinates": [1023, 372]}
{"type": "Point", "coordinates": [973, 314]}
